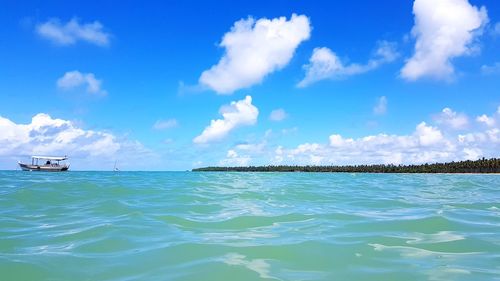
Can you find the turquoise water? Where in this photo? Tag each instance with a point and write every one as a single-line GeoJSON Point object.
{"type": "Point", "coordinates": [248, 226]}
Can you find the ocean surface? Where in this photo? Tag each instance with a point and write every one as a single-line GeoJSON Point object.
{"type": "Point", "coordinates": [248, 226]}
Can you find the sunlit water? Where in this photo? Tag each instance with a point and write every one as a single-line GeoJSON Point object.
{"type": "Point", "coordinates": [248, 226]}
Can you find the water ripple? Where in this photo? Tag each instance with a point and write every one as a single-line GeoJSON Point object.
{"type": "Point", "coordinates": [248, 226]}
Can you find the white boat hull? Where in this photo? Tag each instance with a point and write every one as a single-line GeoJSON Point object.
{"type": "Point", "coordinates": [43, 168]}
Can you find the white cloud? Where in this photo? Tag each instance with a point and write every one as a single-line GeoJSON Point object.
{"type": "Point", "coordinates": [74, 79]}
{"type": "Point", "coordinates": [238, 113]}
{"type": "Point", "coordinates": [472, 153]}
{"type": "Point", "coordinates": [311, 150]}
{"type": "Point", "coordinates": [424, 135]}
{"type": "Point", "coordinates": [254, 49]}
{"type": "Point", "coordinates": [490, 69]}
{"type": "Point", "coordinates": [165, 124]}
{"type": "Point", "coordinates": [278, 155]}
{"type": "Point", "coordinates": [243, 154]}
{"type": "Point", "coordinates": [254, 148]}
{"type": "Point", "coordinates": [231, 154]}
{"type": "Point", "coordinates": [444, 30]}
{"type": "Point", "coordinates": [52, 136]}
{"type": "Point", "coordinates": [325, 64]}
{"type": "Point", "coordinates": [426, 144]}
{"type": "Point", "coordinates": [428, 135]}
{"type": "Point", "coordinates": [452, 119]}
{"type": "Point", "coordinates": [234, 159]}
{"type": "Point", "coordinates": [278, 115]}
{"type": "Point", "coordinates": [381, 107]}
{"type": "Point", "coordinates": [489, 121]}
{"type": "Point", "coordinates": [487, 140]}
{"type": "Point", "coordinates": [71, 32]}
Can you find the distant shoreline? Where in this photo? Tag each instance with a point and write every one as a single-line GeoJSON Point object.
{"type": "Point", "coordinates": [481, 166]}
{"type": "Point", "coordinates": [375, 173]}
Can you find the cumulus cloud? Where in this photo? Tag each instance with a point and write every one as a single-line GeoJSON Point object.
{"type": "Point", "coordinates": [380, 107]}
{"type": "Point", "coordinates": [165, 124]}
{"type": "Point", "coordinates": [238, 113]}
{"type": "Point", "coordinates": [427, 143]}
{"type": "Point", "coordinates": [75, 79]}
{"type": "Point", "coordinates": [45, 135]}
{"type": "Point", "coordinates": [254, 49]}
{"type": "Point", "coordinates": [487, 120]}
{"type": "Point", "coordinates": [311, 150]}
{"type": "Point", "coordinates": [444, 30]}
{"type": "Point", "coordinates": [278, 115]}
{"type": "Point", "coordinates": [452, 119]}
{"type": "Point", "coordinates": [234, 159]}
{"type": "Point", "coordinates": [244, 153]}
{"type": "Point", "coordinates": [491, 120]}
{"type": "Point", "coordinates": [69, 33]}
{"type": "Point", "coordinates": [325, 64]}
{"type": "Point", "coordinates": [428, 135]}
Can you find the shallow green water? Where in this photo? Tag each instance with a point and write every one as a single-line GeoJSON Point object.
{"type": "Point", "coordinates": [248, 226]}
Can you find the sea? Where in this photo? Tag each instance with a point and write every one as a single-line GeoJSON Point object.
{"type": "Point", "coordinates": [125, 226]}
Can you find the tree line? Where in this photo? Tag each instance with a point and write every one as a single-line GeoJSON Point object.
{"type": "Point", "coordinates": [478, 166]}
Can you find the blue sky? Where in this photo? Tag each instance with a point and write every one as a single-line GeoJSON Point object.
{"type": "Point", "coordinates": [286, 82]}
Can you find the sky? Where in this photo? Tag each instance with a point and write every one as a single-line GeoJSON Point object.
{"type": "Point", "coordinates": [175, 85]}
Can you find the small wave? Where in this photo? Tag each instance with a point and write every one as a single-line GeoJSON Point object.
{"type": "Point", "coordinates": [413, 252]}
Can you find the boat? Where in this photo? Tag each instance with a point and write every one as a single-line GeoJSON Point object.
{"type": "Point", "coordinates": [45, 164]}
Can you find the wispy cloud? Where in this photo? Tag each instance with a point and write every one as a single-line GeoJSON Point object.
{"type": "Point", "coordinates": [278, 115]}
{"type": "Point", "coordinates": [69, 33]}
{"type": "Point", "coordinates": [165, 124]}
{"type": "Point", "coordinates": [491, 69]}
{"type": "Point", "coordinates": [254, 49]}
{"type": "Point", "coordinates": [325, 64]}
{"type": "Point", "coordinates": [380, 107]}
{"type": "Point", "coordinates": [75, 79]}
{"type": "Point", "coordinates": [496, 29]}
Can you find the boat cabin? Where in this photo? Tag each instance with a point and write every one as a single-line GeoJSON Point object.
{"type": "Point", "coordinates": [46, 163]}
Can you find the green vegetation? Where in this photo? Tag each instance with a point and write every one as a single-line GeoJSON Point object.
{"type": "Point", "coordinates": [479, 166]}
